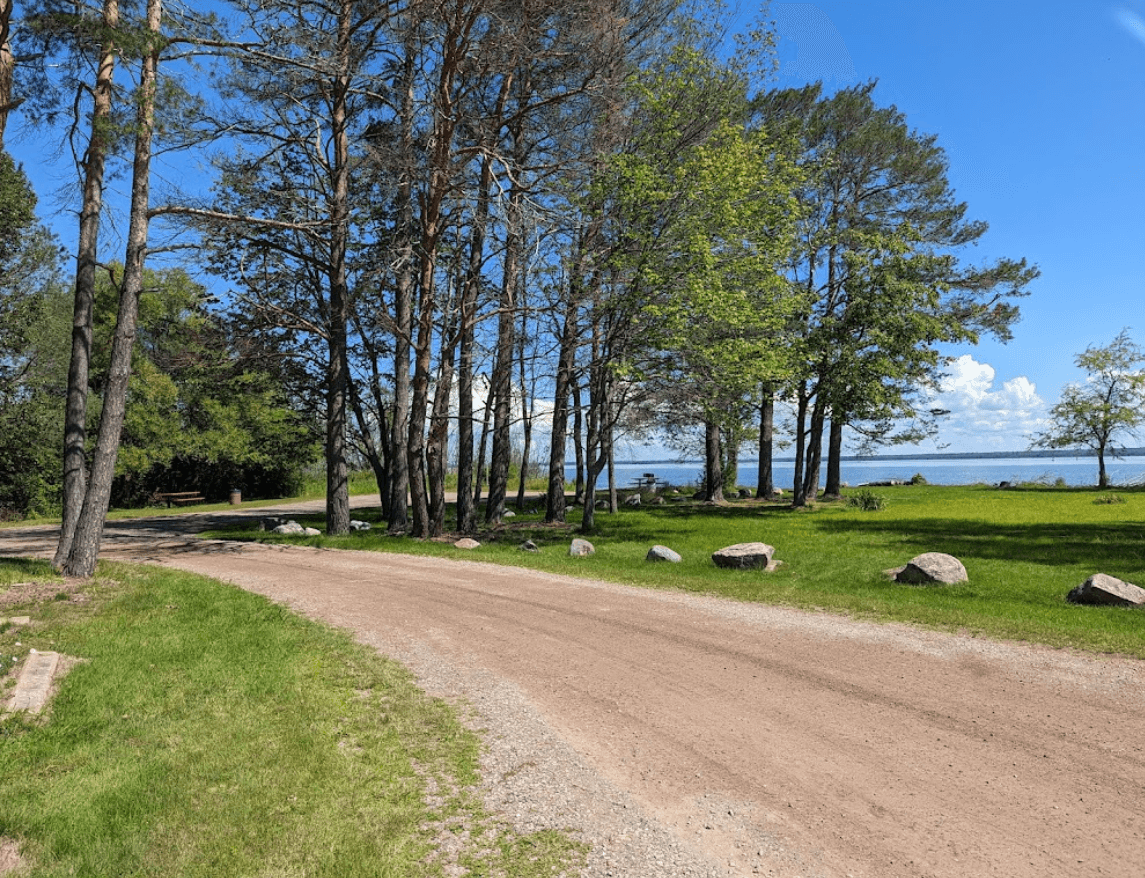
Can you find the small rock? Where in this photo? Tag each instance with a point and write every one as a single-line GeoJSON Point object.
{"type": "Point", "coordinates": [745, 556]}
{"type": "Point", "coordinates": [311, 532]}
{"type": "Point", "coordinates": [508, 513]}
{"type": "Point", "coordinates": [634, 500]}
{"type": "Point", "coordinates": [291, 527]}
{"type": "Point", "coordinates": [657, 501]}
{"type": "Point", "coordinates": [466, 543]}
{"type": "Point", "coordinates": [663, 553]}
{"type": "Point", "coordinates": [581, 548]}
{"type": "Point", "coordinates": [1103, 590]}
{"type": "Point", "coordinates": [529, 546]}
{"type": "Point", "coordinates": [930, 568]}
{"type": "Point", "coordinates": [359, 525]}
{"type": "Point", "coordinates": [744, 494]}
{"type": "Point", "coordinates": [601, 504]}
{"type": "Point", "coordinates": [271, 523]}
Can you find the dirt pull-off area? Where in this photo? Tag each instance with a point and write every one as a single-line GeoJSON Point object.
{"type": "Point", "coordinates": [683, 735]}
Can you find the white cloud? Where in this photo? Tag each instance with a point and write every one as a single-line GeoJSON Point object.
{"type": "Point", "coordinates": [984, 417]}
{"type": "Point", "coordinates": [1133, 23]}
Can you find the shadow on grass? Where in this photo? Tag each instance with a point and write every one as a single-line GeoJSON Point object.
{"type": "Point", "coordinates": [1109, 546]}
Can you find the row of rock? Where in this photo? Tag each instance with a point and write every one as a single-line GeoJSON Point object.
{"type": "Point", "coordinates": [929, 568]}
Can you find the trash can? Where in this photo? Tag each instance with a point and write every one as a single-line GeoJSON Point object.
{"type": "Point", "coordinates": [236, 496]}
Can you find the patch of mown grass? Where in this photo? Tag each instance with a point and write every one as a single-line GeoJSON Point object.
{"type": "Point", "coordinates": [209, 732]}
{"type": "Point", "coordinates": [1024, 549]}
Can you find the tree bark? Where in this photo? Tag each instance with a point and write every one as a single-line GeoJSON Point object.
{"type": "Point", "coordinates": [834, 486]}
{"type": "Point", "coordinates": [87, 258]}
{"type": "Point", "coordinates": [765, 483]}
{"type": "Point", "coordinates": [337, 374]}
{"type": "Point", "coordinates": [555, 494]}
{"type": "Point", "coordinates": [713, 468]}
{"type": "Point", "coordinates": [84, 551]}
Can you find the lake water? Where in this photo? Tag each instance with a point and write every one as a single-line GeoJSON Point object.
{"type": "Point", "coordinates": [1074, 470]}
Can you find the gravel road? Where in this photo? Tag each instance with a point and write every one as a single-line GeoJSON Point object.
{"type": "Point", "coordinates": [691, 736]}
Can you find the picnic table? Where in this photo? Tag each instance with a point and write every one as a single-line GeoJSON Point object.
{"type": "Point", "coordinates": [180, 498]}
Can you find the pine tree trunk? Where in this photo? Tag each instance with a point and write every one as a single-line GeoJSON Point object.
{"type": "Point", "coordinates": [85, 546]}
{"type": "Point", "coordinates": [87, 258]}
{"type": "Point", "coordinates": [834, 485]}
{"type": "Point", "coordinates": [765, 484]}
{"type": "Point", "coordinates": [713, 469]}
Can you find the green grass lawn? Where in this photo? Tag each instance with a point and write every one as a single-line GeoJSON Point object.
{"type": "Point", "coordinates": [208, 732]}
{"type": "Point", "coordinates": [1024, 549]}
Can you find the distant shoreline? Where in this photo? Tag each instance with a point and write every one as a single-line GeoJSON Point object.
{"type": "Point", "coordinates": [937, 455]}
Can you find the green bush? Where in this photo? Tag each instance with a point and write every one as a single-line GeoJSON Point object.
{"type": "Point", "coordinates": [867, 501]}
{"type": "Point", "coordinates": [918, 479]}
{"type": "Point", "coordinates": [1109, 499]}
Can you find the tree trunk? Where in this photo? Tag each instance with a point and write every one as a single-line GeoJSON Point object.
{"type": "Point", "coordinates": [486, 415]}
{"type": "Point", "coordinates": [7, 67]}
{"type": "Point", "coordinates": [437, 449]}
{"type": "Point", "coordinates": [1102, 475]}
{"type": "Point", "coordinates": [466, 511]}
{"type": "Point", "coordinates": [578, 442]}
{"type": "Point", "coordinates": [834, 486]}
{"type": "Point", "coordinates": [526, 405]}
{"type": "Point", "coordinates": [798, 493]}
{"type": "Point", "coordinates": [713, 469]}
{"type": "Point", "coordinates": [84, 551]}
{"type": "Point", "coordinates": [814, 450]}
{"type": "Point", "coordinates": [87, 258]}
{"type": "Point", "coordinates": [337, 375]}
{"type": "Point", "coordinates": [555, 495]}
{"type": "Point", "coordinates": [731, 464]}
{"type": "Point", "coordinates": [403, 305]}
{"type": "Point", "coordinates": [765, 483]}
{"type": "Point", "coordinates": [503, 365]}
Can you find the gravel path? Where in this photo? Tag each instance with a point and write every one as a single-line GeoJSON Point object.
{"type": "Point", "coordinates": [690, 736]}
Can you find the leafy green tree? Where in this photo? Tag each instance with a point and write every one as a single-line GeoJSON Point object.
{"type": "Point", "coordinates": [879, 261]}
{"type": "Point", "coordinates": [1109, 403]}
{"type": "Point", "coordinates": [206, 410]}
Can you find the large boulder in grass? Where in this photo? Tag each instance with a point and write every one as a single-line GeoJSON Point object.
{"type": "Point", "coordinates": [292, 528]}
{"type": "Point", "coordinates": [663, 553]}
{"type": "Point", "coordinates": [1107, 591]}
{"type": "Point", "coordinates": [467, 543]}
{"type": "Point", "coordinates": [581, 548]}
{"type": "Point", "coordinates": [932, 568]}
{"type": "Point", "coordinates": [746, 556]}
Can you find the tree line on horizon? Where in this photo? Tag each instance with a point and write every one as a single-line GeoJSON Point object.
{"type": "Point", "coordinates": [588, 201]}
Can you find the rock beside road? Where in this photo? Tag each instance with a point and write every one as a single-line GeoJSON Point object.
{"type": "Point", "coordinates": [931, 568]}
{"type": "Point", "coordinates": [1107, 591]}
{"type": "Point", "coordinates": [746, 556]}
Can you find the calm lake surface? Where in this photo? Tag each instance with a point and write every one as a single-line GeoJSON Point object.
{"type": "Point", "coordinates": [1075, 471]}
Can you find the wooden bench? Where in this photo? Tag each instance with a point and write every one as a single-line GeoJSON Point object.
{"type": "Point", "coordinates": [180, 498]}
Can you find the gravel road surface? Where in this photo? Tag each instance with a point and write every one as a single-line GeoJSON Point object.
{"type": "Point", "coordinates": [692, 736]}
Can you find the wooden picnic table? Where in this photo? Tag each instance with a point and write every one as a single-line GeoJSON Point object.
{"type": "Point", "coordinates": [180, 498]}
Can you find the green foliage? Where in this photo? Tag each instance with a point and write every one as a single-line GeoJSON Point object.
{"type": "Point", "coordinates": [1109, 499]}
{"type": "Point", "coordinates": [202, 413]}
{"type": "Point", "coordinates": [867, 500]}
{"type": "Point", "coordinates": [918, 479]}
{"type": "Point", "coordinates": [1110, 403]}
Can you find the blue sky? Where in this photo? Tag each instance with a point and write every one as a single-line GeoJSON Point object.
{"type": "Point", "coordinates": [1041, 109]}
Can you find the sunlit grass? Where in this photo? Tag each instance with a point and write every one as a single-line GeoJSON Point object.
{"type": "Point", "coordinates": [1023, 548]}
{"type": "Point", "coordinates": [209, 732]}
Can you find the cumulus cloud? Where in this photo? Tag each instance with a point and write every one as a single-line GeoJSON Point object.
{"type": "Point", "coordinates": [983, 416]}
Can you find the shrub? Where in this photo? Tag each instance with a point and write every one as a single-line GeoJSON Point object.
{"type": "Point", "coordinates": [867, 501]}
{"type": "Point", "coordinates": [1109, 499]}
{"type": "Point", "coordinates": [918, 479]}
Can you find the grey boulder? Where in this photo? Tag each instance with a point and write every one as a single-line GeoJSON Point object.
{"type": "Point", "coordinates": [932, 568]}
{"type": "Point", "coordinates": [581, 548]}
{"type": "Point", "coordinates": [746, 556]}
{"type": "Point", "coordinates": [1108, 591]}
{"type": "Point", "coordinates": [663, 553]}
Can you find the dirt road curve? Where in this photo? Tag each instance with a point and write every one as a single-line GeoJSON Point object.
{"type": "Point", "coordinates": [758, 740]}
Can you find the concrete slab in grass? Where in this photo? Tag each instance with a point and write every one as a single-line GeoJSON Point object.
{"type": "Point", "coordinates": [35, 682]}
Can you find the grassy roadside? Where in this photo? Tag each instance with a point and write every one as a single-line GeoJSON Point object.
{"type": "Point", "coordinates": [1024, 550]}
{"type": "Point", "coordinates": [208, 732]}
